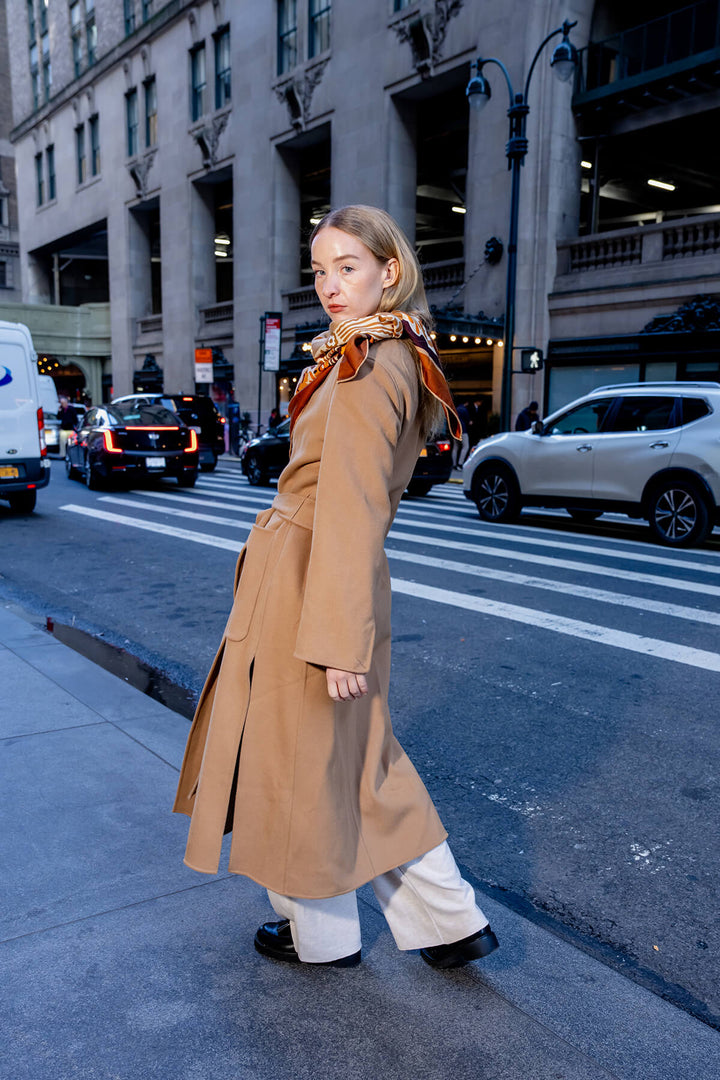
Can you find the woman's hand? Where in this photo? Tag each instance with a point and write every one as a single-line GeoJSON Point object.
{"type": "Point", "coordinates": [345, 685]}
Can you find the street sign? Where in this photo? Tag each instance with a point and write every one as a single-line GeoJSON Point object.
{"type": "Point", "coordinates": [203, 366]}
{"type": "Point", "coordinates": [273, 334]}
{"type": "Point", "coordinates": [531, 359]}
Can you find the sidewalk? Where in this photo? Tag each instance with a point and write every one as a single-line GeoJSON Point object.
{"type": "Point", "coordinates": [121, 963]}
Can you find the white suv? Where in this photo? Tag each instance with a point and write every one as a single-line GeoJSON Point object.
{"type": "Point", "coordinates": [649, 450]}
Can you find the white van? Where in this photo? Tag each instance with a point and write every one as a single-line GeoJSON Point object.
{"type": "Point", "coordinates": [24, 466]}
{"type": "Point", "coordinates": [50, 406]}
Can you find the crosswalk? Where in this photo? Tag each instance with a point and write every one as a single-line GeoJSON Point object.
{"type": "Point", "coordinates": [597, 588]}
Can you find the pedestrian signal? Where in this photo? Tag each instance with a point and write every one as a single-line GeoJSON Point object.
{"type": "Point", "coordinates": [531, 359]}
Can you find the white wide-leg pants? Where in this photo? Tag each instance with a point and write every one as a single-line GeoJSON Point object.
{"type": "Point", "coordinates": [425, 902]}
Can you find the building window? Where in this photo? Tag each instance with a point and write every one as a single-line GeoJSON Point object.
{"type": "Point", "coordinates": [198, 82]}
{"type": "Point", "coordinates": [76, 33]}
{"type": "Point", "coordinates": [50, 155]}
{"type": "Point", "coordinates": [94, 125]}
{"type": "Point", "coordinates": [80, 154]}
{"type": "Point", "coordinates": [47, 69]}
{"type": "Point", "coordinates": [129, 16]}
{"type": "Point", "coordinates": [131, 114]}
{"type": "Point", "coordinates": [319, 26]}
{"type": "Point", "coordinates": [35, 75]}
{"type": "Point", "coordinates": [90, 31]}
{"type": "Point", "coordinates": [40, 183]}
{"type": "Point", "coordinates": [287, 35]}
{"type": "Point", "coordinates": [4, 220]}
{"type": "Point", "coordinates": [32, 32]}
{"type": "Point", "coordinates": [400, 4]}
{"type": "Point", "coordinates": [146, 10]}
{"type": "Point", "coordinates": [3, 276]}
{"type": "Point", "coordinates": [150, 112]}
{"type": "Point", "coordinates": [222, 68]}
{"type": "Point", "coordinates": [43, 16]}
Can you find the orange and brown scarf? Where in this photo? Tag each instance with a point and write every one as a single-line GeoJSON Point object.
{"type": "Point", "coordinates": [348, 342]}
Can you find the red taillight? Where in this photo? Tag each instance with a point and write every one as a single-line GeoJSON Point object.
{"type": "Point", "coordinates": [41, 433]}
{"type": "Point", "coordinates": [443, 446]}
{"type": "Point", "coordinates": [185, 398]}
{"type": "Point", "coordinates": [109, 444]}
{"type": "Point", "coordinates": [193, 443]}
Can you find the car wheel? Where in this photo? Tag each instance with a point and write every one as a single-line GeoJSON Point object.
{"type": "Point", "coordinates": [209, 466]}
{"type": "Point", "coordinates": [70, 470]}
{"type": "Point", "coordinates": [496, 493]}
{"type": "Point", "coordinates": [187, 479]}
{"type": "Point", "coordinates": [419, 487]}
{"type": "Point", "coordinates": [23, 502]}
{"type": "Point", "coordinates": [678, 514]}
{"type": "Point", "coordinates": [92, 477]}
{"type": "Point", "coordinates": [584, 517]}
{"type": "Point", "coordinates": [255, 473]}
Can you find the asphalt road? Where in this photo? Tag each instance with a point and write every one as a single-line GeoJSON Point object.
{"type": "Point", "coordinates": [556, 688]}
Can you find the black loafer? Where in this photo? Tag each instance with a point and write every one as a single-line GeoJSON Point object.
{"type": "Point", "coordinates": [275, 940]}
{"type": "Point", "coordinates": [461, 952]}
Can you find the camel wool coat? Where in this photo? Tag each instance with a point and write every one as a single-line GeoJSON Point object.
{"type": "Point", "coordinates": [319, 795]}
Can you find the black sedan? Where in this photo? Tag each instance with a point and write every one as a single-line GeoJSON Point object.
{"type": "Point", "coordinates": [199, 413]}
{"type": "Point", "coordinates": [263, 459]}
{"type": "Point", "coordinates": [132, 441]}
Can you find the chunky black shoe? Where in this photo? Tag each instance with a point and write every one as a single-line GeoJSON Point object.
{"type": "Point", "coordinates": [275, 940]}
{"type": "Point", "coordinates": [461, 952]}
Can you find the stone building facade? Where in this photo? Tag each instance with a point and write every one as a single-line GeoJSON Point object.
{"type": "Point", "coordinates": [173, 158]}
{"type": "Point", "coordinates": [9, 247]}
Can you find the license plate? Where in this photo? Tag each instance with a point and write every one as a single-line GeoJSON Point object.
{"type": "Point", "coordinates": [423, 452]}
{"type": "Point", "coordinates": [155, 462]}
{"type": "Point", "coordinates": [9, 471]}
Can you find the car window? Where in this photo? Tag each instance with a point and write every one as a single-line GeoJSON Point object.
{"type": "Point", "coordinates": [283, 428]}
{"type": "Point", "coordinates": [644, 413]}
{"type": "Point", "coordinates": [586, 419]}
{"type": "Point", "coordinates": [137, 414]}
{"type": "Point", "coordinates": [693, 408]}
{"type": "Point", "coordinates": [89, 418]}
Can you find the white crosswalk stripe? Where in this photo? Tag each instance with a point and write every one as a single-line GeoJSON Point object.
{"type": "Point", "coordinates": [220, 510]}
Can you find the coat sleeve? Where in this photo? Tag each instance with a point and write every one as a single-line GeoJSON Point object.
{"type": "Point", "coordinates": [352, 515]}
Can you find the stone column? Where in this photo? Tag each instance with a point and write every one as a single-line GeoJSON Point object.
{"type": "Point", "coordinates": [401, 165]}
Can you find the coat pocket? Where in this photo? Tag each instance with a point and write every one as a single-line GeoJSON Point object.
{"type": "Point", "coordinates": [252, 571]}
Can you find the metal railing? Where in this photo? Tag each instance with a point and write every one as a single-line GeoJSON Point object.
{"type": "Point", "coordinates": [656, 44]}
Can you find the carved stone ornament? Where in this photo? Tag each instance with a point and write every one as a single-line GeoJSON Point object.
{"type": "Point", "coordinates": [696, 316]}
{"type": "Point", "coordinates": [208, 138]}
{"type": "Point", "coordinates": [297, 93]}
{"type": "Point", "coordinates": [139, 171]}
{"type": "Point", "coordinates": [425, 30]}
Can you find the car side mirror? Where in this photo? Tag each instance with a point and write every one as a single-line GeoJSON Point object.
{"type": "Point", "coordinates": [537, 428]}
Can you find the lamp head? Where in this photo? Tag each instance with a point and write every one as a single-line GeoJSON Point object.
{"type": "Point", "coordinates": [565, 57]}
{"type": "Point", "coordinates": [478, 91]}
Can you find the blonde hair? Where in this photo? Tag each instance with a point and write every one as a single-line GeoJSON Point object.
{"type": "Point", "coordinates": [384, 239]}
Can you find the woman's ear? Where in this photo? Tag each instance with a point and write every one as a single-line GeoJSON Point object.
{"type": "Point", "coordinates": [392, 273]}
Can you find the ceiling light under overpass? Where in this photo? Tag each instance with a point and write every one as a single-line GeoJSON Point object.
{"type": "Point", "coordinates": [586, 164]}
{"type": "Point", "coordinates": [661, 184]}
{"type": "Point", "coordinates": [459, 209]}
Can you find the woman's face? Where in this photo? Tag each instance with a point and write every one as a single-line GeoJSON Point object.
{"type": "Point", "coordinates": [349, 280]}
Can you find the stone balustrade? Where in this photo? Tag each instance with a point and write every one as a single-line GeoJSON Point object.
{"type": "Point", "coordinates": [682, 239]}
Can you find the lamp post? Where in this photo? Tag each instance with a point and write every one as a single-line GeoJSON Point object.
{"type": "Point", "coordinates": [564, 61]}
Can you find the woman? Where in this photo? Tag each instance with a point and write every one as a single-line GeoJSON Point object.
{"type": "Point", "coordinates": [292, 747]}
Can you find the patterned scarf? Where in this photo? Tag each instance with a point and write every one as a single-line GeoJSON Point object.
{"type": "Point", "coordinates": [348, 342]}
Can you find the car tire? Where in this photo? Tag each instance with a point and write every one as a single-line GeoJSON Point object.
{"type": "Point", "coordinates": [23, 502]}
{"type": "Point", "coordinates": [496, 493]}
{"type": "Point", "coordinates": [419, 487]}
{"type": "Point", "coordinates": [257, 476]}
{"type": "Point", "coordinates": [584, 517]}
{"type": "Point", "coordinates": [209, 466]}
{"type": "Point", "coordinates": [187, 479]}
{"type": "Point", "coordinates": [70, 470]}
{"type": "Point", "coordinates": [92, 477]}
{"type": "Point", "coordinates": [678, 514]}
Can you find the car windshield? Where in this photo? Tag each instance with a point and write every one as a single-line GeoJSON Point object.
{"type": "Point", "coordinates": [135, 414]}
{"type": "Point", "coordinates": [192, 408]}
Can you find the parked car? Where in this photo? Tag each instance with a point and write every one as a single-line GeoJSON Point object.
{"type": "Point", "coordinates": [50, 406]}
{"type": "Point", "coordinates": [648, 450]}
{"type": "Point", "coordinates": [129, 439]}
{"type": "Point", "coordinates": [200, 414]}
{"type": "Point", "coordinates": [24, 466]}
{"type": "Point", "coordinates": [264, 458]}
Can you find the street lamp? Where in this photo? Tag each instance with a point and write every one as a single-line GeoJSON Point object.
{"type": "Point", "coordinates": [478, 92]}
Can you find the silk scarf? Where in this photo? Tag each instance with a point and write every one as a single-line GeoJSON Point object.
{"type": "Point", "coordinates": [348, 343]}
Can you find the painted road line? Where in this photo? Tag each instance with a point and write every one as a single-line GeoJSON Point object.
{"type": "Point", "coordinates": [156, 527]}
{"type": "Point", "coordinates": [561, 564]}
{"type": "Point", "coordinates": [201, 498]}
{"type": "Point", "coordinates": [598, 635]}
{"type": "Point", "coordinates": [172, 511]}
{"type": "Point", "coordinates": [585, 592]}
{"type": "Point", "coordinates": [587, 549]}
